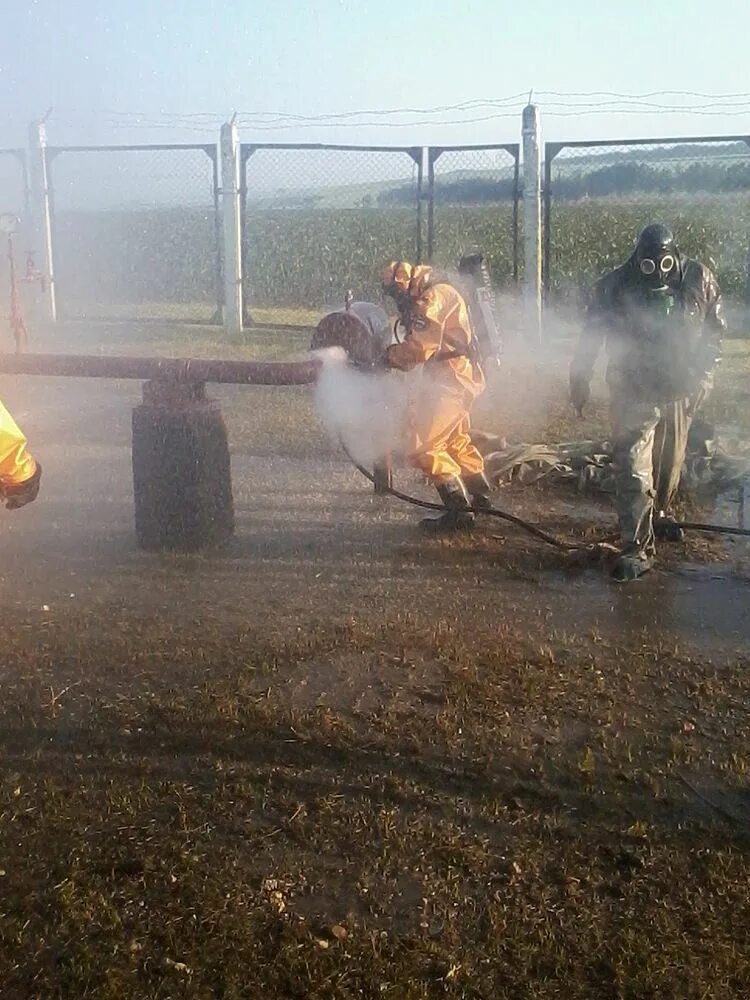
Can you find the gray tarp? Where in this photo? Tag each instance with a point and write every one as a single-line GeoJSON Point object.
{"type": "Point", "coordinates": [709, 464]}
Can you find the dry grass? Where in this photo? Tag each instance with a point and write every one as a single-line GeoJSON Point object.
{"type": "Point", "coordinates": [472, 815]}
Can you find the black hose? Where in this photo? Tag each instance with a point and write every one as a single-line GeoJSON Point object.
{"type": "Point", "coordinates": [531, 529]}
{"type": "Point", "coordinates": [715, 529]}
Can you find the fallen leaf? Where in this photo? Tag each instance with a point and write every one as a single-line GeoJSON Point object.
{"type": "Point", "coordinates": [178, 966]}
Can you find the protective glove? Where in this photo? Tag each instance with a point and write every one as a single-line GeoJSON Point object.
{"type": "Point", "coordinates": [580, 393]}
{"type": "Point", "coordinates": [382, 363]}
{"type": "Point", "coordinates": [18, 495]}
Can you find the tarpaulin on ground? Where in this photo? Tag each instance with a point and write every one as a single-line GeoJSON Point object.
{"type": "Point", "coordinates": [711, 464]}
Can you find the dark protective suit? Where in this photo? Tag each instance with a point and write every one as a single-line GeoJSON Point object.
{"type": "Point", "coordinates": [661, 361]}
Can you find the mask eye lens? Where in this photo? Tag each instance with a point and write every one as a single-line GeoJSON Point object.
{"type": "Point", "coordinates": [648, 266]}
{"type": "Point", "coordinates": [666, 263]}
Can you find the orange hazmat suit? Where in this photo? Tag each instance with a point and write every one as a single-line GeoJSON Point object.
{"type": "Point", "coordinates": [438, 336]}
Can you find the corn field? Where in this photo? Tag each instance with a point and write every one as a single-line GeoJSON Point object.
{"type": "Point", "coordinates": [589, 236]}
{"type": "Point", "coordinates": [149, 261]}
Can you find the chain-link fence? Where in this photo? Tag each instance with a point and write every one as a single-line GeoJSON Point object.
{"type": "Point", "coordinates": [598, 195]}
{"type": "Point", "coordinates": [13, 201]}
{"type": "Point", "coordinates": [136, 232]}
{"type": "Point", "coordinates": [318, 220]}
{"type": "Point", "coordinates": [13, 183]}
{"type": "Point", "coordinates": [473, 201]}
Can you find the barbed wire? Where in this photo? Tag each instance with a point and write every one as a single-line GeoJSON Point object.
{"type": "Point", "coordinates": [720, 103]}
{"type": "Point", "coordinates": [259, 126]}
{"type": "Point", "coordinates": [554, 105]}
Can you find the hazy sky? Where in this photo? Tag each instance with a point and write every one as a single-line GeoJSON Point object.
{"type": "Point", "coordinates": [88, 59]}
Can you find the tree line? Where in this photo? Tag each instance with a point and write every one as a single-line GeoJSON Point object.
{"type": "Point", "coordinates": [621, 178]}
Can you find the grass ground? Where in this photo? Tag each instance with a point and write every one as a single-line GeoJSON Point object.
{"type": "Point", "coordinates": [338, 761]}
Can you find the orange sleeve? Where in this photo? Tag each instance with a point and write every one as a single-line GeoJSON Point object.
{"type": "Point", "coordinates": [426, 338]}
{"type": "Point", "coordinates": [16, 464]}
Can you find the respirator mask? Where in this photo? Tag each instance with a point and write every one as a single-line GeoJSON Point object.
{"type": "Point", "coordinates": [657, 270]}
{"type": "Point", "coordinates": [656, 256]}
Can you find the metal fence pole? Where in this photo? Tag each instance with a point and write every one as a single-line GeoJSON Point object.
{"type": "Point", "coordinates": [40, 221]}
{"type": "Point", "coordinates": [432, 155]}
{"type": "Point", "coordinates": [532, 223]}
{"type": "Point", "coordinates": [218, 249]}
{"type": "Point", "coordinates": [514, 219]}
{"type": "Point", "coordinates": [550, 152]}
{"type": "Point", "coordinates": [230, 192]}
{"type": "Point", "coordinates": [420, 200]}
{"type": "Point", "coordinates": [247, 317]}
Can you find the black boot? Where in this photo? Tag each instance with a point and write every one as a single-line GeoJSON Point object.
{"type": "Point", "coordinates": [631, 564]}
{"type": "Point", "coordinates": [666, 528]}
{"type": "Point", "coordinates": [479, 490]}
{"type": "Point", "coordinates": [457, 516]}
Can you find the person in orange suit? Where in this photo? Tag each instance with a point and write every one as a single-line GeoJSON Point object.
{"type": "Point", "coordinates": [20, 473]}
{"type": "Point", "coordinates": [438, 336]}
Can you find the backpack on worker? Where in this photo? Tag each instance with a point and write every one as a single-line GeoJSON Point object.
{"type": "Point", "coordinates": [476, 289]}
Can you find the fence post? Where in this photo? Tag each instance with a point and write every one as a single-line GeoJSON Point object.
{"type": "Point", "coordinates": [230, 194]}
{"type": "Point", "coordinates": [420, 201]}
{"type": "Point", "coordinates": [432, 156]}
{"type": "Point", "coordinates": [40, 222]}
{"type": "Point", "coordinates": [218, 316]}
{"type": "Point", "coordinates": [532, 222]}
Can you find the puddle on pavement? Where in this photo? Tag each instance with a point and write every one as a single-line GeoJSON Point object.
{"type": "Point", "coordinates": [705, 605]}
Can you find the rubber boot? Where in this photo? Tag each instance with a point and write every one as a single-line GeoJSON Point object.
{"type": "Point", "coordinates": [666, 528]}
{"type": "Point", "coordinates": [631, 564]}
{"type": "Point", "coordinates": [457, 516]}
{"type": "Point", "coordinates": [20, 494]}
{"type": "Point", "coordinates": [479, 490]}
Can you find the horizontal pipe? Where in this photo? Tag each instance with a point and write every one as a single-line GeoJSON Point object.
{"type": "Point", "coordinates": [168, 369]}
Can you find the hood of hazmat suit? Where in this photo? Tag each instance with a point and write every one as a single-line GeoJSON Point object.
{"type": "Point", "coordinates": [662, 329]}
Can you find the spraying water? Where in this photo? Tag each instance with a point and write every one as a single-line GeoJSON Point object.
{"type": "Point", "coordinates": [366, 412]}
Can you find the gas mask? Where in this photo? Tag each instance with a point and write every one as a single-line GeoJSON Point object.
{"type": "Point", "coordinates": [657, 269]}
{"type": "Point", "coordinates": [404, 307]}
{"type": "Point", "coordinates": [656, 256]}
